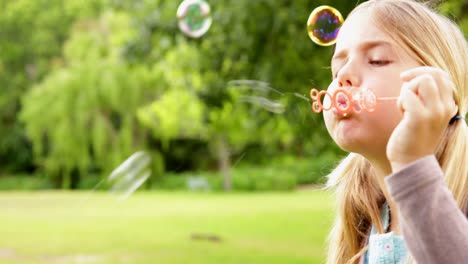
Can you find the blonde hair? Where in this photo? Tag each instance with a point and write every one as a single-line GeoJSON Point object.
{"type": "Point", "coordinates": [432, 40]}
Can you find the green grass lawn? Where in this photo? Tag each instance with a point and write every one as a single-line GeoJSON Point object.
{"type": "Point", "coordinates": [164, 227]}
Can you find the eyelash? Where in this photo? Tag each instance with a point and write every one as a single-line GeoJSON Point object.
{"type": "Point", "coordinates": [379, 62]}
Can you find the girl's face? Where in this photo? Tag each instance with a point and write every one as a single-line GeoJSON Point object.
{"type": "Point", "coordinates": [366, 58]}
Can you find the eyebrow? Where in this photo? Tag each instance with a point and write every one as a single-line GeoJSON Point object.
{"type": "Point", "coordinates": [364, 46]}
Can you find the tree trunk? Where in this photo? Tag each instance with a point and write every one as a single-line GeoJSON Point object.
{"type": "Point", "coordinates": [66, 180]}
{"type": "Point", "coordinates": [224, 163]}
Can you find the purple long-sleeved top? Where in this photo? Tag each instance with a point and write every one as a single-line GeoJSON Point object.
{"type": "Point", "coordinates": [434, 228]}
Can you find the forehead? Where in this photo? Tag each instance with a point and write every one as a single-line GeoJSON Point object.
{"type": "Point", "coordinates": [358, 29]}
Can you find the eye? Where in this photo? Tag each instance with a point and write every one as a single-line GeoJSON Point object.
{"type": "Point", "coordinates": [379, 62]}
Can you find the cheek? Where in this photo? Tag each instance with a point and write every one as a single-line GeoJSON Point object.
{"type": "Point", "coordinates": [386, 117]}
{"type": "Point", "coordinates": [327, 117]}
{"type": "Point", "coordinates": [327, 98]}
{"type": "Point", "coordinates": [387, 86]}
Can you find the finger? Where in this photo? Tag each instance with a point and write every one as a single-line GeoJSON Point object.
{"type": "Point", "coordinates": [442, 79]}
{"type": "Point", "coordinates": [425, 87]}
{"type": "Point", "coordinates": [414, 72]}
{"type": "Point", "coordinates": [400, 104]}
{"type": "Point", "coordinates": [445, 86]}
{"type": "Point", "coordinates": [447, 95]}
{"type": "Point", "coordinates": [410, 102]}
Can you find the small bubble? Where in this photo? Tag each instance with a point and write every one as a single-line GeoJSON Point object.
{"type": "Point", "coordinates": [194, 17]}
{"type": "Point", "coordinates": [323, 25]}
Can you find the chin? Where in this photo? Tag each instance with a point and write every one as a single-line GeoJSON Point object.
{"type": "Point", "coordinates": [356, 145]}
{"type": "Point", "coordinates": [348, 147]}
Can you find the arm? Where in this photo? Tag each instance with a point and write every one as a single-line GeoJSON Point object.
{"type": "Point", "coordinates": [434, 228]}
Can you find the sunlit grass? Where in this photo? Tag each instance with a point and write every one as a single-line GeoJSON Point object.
{"type": "Point", "coordinates": [57, 227]}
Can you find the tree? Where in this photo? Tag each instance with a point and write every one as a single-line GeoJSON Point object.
{"type": "Point", "coordinates": [185, 79]}
{"type": "Point", "coordinates": [227, 130]}
{"type": "Point", "coordinates": [118, 76]}
{"type": "Point", "coordinates": [83, 113]}
{"type": "Point", "coordinates": [32, 34]}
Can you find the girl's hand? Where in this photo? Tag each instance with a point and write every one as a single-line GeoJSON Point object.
{"type": "Point", "coordinates": [427, 103]}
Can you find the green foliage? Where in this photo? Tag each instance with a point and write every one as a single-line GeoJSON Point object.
{"type": "Point", "coordinates": [176, 114]}
{"type": "Point", "coordinates": [280, 174]}
{"type": "Point", "coordinates": [457, 11]}
{"type": "Point", "coordinates": [263, 179]}
{"type": "Point", "coordinates": [244, 179]}
{"type": "Point", "coordinates": [32, 35]}
{"type": "Point", "coordinates": [91, 182]}
{"type": "Point", "coordinates": [87, 83]}
{"type": "Point", "coordinates": [178, 181]}
{"type": "Point", "coordinates": [171, 182]}
{"type": "Point", "coordinates": [306, 170]}
{"type": "Point", "coordinates": [84, 113]}
{"type": "Point", "coordinates": [25, 182]}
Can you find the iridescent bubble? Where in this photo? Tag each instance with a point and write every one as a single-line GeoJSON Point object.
{"type": "Point", "coordinates": [323, 25]}
{"type": "Point", "coordinates": [194, 17]}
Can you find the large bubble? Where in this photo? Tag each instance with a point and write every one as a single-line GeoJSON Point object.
{"type": "Point", "coordinates": [323, 25]}
{"type": "Point", "coordinates": [130, 175]}
{"type": "Point", "coordinates": [194, 17]}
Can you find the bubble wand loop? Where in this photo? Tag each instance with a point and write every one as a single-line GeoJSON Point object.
{"type": "Point", "coordinates": [343, 100]}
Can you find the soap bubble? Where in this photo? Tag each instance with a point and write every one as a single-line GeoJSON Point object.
{"type": "Point", "coordinates": [369, 101]}
{"type": "Point", "coordinates": [194, 17]}
{"type": "Point", "coordinates": [257, 93]}
{"type": "Point", "coordinates": [323, 25]}
{"type": "Point", "coordinates": [125, 179]}
{"type": "Point", "coordinates": [342, 101]}
{"type": "Point", "coordinates": [130, 175]}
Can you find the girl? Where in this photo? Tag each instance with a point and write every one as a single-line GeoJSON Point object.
{"type": "Point", "coordinates": [403, 191]}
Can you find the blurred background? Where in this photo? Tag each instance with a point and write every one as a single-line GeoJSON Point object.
{"type": "Point", "coordinates": [216, 133]}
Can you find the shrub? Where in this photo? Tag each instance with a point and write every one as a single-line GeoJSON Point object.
{"type": "Point", "coordinates": [178, 181]}
{"type": "Point", "coordinates": [25, 182]}
{"type": "Point", "coordinates": [90, 182]}
{"type": "Point", "coordinates": [263, 179]}
{"type": "Point", "coordinates": [307, 171]}
{"type": "Point", "coordinates": [282, 174]}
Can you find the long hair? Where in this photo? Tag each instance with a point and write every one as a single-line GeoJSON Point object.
{"type": "Point", "coordinates": [432, 40]}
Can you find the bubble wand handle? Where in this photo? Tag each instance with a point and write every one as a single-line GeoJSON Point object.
{"type": "Point", "coordinates": [345, 100]}
{"type": "Point", "coordinates": [387, 98]}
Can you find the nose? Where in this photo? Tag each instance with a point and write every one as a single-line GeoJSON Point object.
{"type": "Point", "coordinates": [348, 76]}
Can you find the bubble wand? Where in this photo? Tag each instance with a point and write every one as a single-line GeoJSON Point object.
{"type": "Point", "coordinates": [343, 100]}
